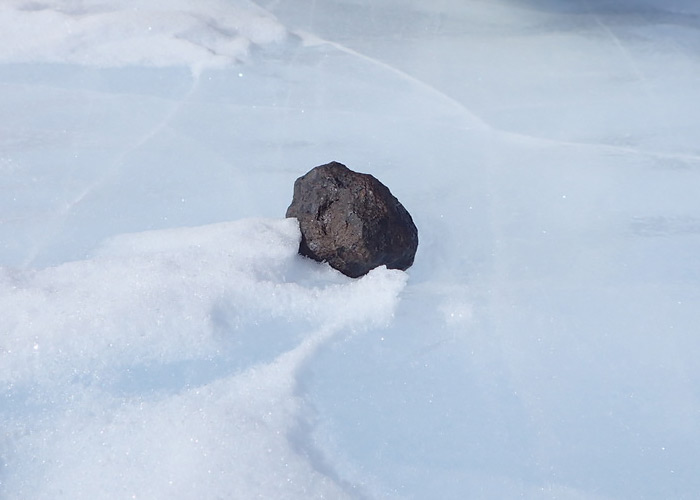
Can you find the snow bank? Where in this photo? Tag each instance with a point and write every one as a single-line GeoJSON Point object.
{"type": "Point", "coordinates": [110, 33]}
{"type": "Point", "coordinates": [166, 366]}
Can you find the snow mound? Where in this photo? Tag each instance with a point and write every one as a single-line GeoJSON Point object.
{"type": "Point", "coordinates": [108, 33]}
{"type": "Point", "coordinates": [168, 364]}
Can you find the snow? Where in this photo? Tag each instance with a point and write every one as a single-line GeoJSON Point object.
{"type": "Point", "coordinates": [168, 365]}
{"type": "Point", "coordinates": [157, 33]}
{"type": "Point", "coordinates": [161, 338]}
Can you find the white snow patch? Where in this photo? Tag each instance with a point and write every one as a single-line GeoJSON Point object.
{"type": "Point", "coordinates": [132, 375]}
{"type": "Point", "coordinates": [108, 33]}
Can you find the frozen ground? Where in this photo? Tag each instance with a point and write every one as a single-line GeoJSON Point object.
{"type": "Point", "coordinates": [160, 338]}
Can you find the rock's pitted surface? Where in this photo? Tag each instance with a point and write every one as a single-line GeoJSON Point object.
{"type": "Point", "coordinates": [352, 221]}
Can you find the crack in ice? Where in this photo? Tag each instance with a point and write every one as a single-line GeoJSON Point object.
{"type": "Point", "coordinates": [61, 215]}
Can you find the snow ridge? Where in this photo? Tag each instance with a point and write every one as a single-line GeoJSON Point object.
{"type": "Point", "coordinates": [106, 33]}
{"type": "Point", "coordinates": [158, 338]}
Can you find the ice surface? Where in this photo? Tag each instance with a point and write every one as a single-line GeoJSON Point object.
{"type": "Point", "coordinates": [160, 338]}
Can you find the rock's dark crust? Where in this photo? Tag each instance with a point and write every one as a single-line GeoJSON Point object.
{"type": "Point", "coordinates": [352, 221]}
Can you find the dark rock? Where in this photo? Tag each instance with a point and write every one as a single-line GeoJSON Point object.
{"type": "Point", "coordinates": [352, 221]}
